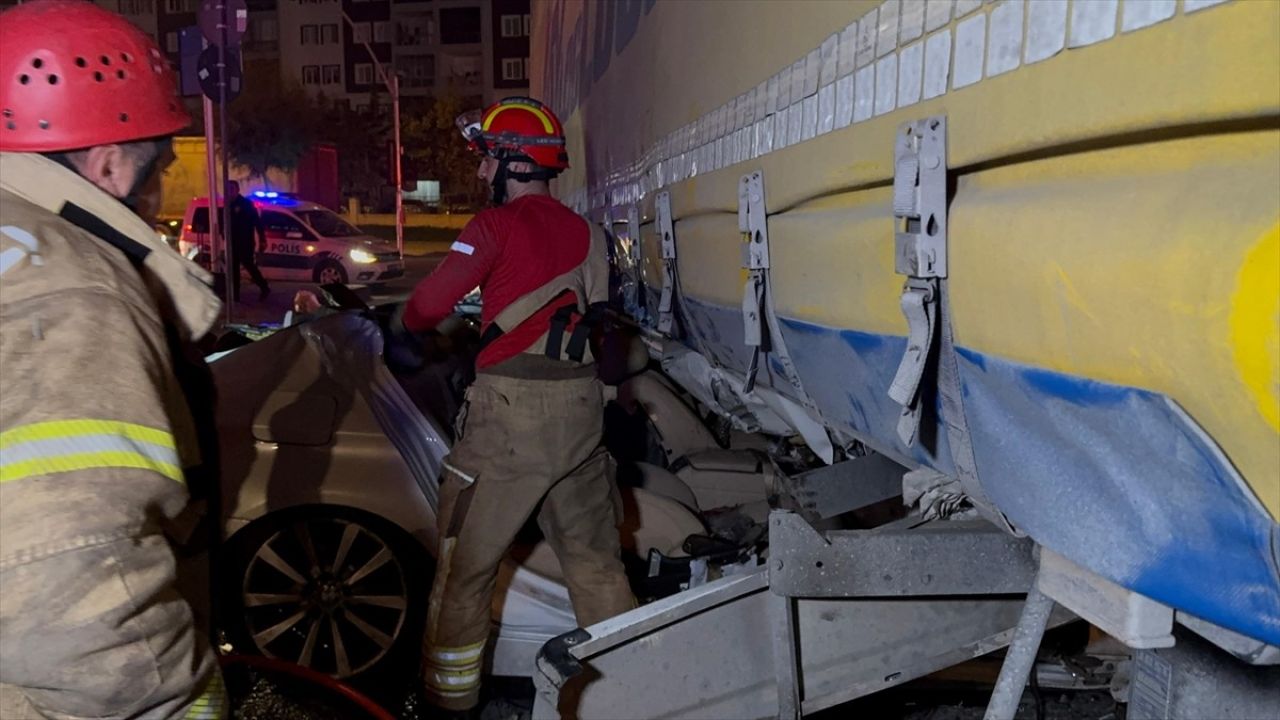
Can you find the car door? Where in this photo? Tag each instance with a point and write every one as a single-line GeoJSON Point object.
{"type": "Point", "coordinates": [290, 245]}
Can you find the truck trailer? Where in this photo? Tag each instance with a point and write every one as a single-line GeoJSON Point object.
{"type": "Point", "coordinates": [1014, 265]}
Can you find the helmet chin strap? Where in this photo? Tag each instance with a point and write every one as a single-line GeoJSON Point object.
{"type": "Point", "coordinates": [500, 183]}
{"type": "Point", "coordinates": [505, 173]}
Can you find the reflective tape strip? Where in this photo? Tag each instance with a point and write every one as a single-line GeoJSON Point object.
{"type": "Point", "coordinates": [211, 703]}
{"type": "Point", "coordinates": [455, 656]}
{"type": "Point", "coordinates": [537, 112]}
{"type": "Point", "coordinates": [453, 679]}
{"type": "Point", "coordinates": [71, 445]}
{"type": "Point", "coordinates": [17, 234]}
{"type": "Point", "coordinates": [452, 694]}
{"type": "Point", "coordinates": [463, 248]}
{"type": "Point", "coordinates": [9, 258]}
{"type": "Point", "coordinates": [72, 428]}
{"type": "Point", "coordinates": [86, 444]}
{"type": "Point", "coordinates": [30, 248]}
{"type": "Point", "coordinates": [468, 479]}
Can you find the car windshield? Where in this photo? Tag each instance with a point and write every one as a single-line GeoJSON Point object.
{"type": "Point", "coordinates": [327, 223]}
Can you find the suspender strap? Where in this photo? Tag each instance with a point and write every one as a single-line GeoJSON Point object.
{"type": "Point", "coordinates": [491, 333]}
{"type": "Point", "coordinates": [527, 305]}
{"type": "Point", "coordinates": [582, 331]}
{"type": "Point", "coordinates": [85, 220]}
{"type": "Point", "coordinates": [555, 333]}
{"type": "Point", "coordinates": [588, 283]}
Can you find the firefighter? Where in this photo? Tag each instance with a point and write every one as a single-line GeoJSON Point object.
{"type": "Point", "coordinates": [97, 317]}
{"type": "Point", "coordinates": [529, 434]}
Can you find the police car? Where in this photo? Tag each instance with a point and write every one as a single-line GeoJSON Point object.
{"type": "Point", "coordinates": [305, 242]}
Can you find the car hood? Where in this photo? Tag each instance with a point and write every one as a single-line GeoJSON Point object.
{"type": "Point", "coordinates": [370, 243]}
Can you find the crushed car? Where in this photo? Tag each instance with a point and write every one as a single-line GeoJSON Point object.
{"type": "Point", "coordinates": [330, 465]}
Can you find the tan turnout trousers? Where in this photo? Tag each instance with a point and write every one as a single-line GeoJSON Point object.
{"type": "Point", "coordinates": [525, 446]}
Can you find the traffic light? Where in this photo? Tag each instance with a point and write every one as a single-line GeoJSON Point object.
{"type": "Point", "coordinates": [408, 170]}
{"type": "Point", "coordinates": [408, 173]}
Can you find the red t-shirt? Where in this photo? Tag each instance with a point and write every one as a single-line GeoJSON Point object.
{"type": "Point", "coordinates": [507, 252]}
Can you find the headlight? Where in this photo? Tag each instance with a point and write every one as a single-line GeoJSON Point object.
{"type": "Point", "coordinates": [361, 256]}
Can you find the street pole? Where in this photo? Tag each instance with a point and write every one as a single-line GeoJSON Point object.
{"type": "Point", "coordinates": [227, 243]}
{"type": "Point", "coordinates": [395, 109]}
{"type": "Point", "coordinates": [392, 81]}
{"type": "Point", "coordinates": [211, 159]}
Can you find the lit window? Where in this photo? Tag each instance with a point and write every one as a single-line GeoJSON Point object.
{"type": "Point", "coordinates": [514, 68]}
{"type": "Point", "coordinates": [512, 26]}
{"type": "Point", "coordinates": [364, 73]}
{"type": "Point", "coordinates": [136, 7]}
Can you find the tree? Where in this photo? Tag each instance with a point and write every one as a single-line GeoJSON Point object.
{"type": "Point", "coordinates": [431, 140]}
{"type": "Point", "coordinates": [272, 124]}
{"type": "Point", "coordinates": [361, 139]}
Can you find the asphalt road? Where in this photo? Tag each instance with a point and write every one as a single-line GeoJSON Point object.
{"type": "Point", "coordinates": [252, 311]}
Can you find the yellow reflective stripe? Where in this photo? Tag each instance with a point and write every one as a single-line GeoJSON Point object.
{"type": "Point", "coordinates": [450, 694]}
{"type": "Point", "coordinates": [212, 701]}
{"type": "Point", "coordinates": [459, 650]}
{"type": "Point", "coordinates": [455, 679]}
{"type": "Point", "coordinates": [87, 461]}
{"type": "Point", "coordinates": [454, 656]}
{"type": "Point", "coordinates": [54, 429]}
{"type": "Point", "coordinates": [546, 121]}
{"type": "Point", "coordinates": [456, 663]}
{"type": "Point", "coordinates": [58, 446]}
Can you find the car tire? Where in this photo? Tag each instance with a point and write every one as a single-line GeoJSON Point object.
{"type": "Point", "coordinates": [330, 271]}
{"type": "Point", "coordinates": [331, 588]}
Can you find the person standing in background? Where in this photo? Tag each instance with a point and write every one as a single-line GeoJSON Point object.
{"type": "Point", "coordinates": [246, 223]}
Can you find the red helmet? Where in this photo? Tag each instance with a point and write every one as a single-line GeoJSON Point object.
{"type": "Point", "coordinates": [517, 128]}
{"type": "Point", "coordinates": [73, 75]}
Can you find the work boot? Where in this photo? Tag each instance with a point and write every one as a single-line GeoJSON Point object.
{"type": "Point", "coordinates": [263, 292]}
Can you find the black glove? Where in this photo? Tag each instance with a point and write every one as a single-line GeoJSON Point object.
{"type": "Point", "coordinates": [403, 349]}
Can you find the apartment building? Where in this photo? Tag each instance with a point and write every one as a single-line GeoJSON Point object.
{"type": "Point", "coordinates": [510, 56]}
{"type": "Point", "coordinates": [310, 45]}
{"type": "Point", "coordinates": [474, 48]}
{"type": "Point", "coordinates": [433, 45]}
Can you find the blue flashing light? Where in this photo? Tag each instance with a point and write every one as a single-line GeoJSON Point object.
{"type": "Point", "coordinates": [274, 198]}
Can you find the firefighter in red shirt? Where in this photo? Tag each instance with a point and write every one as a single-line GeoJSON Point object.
{"type": "Point", "coordinates": [529, 434]}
